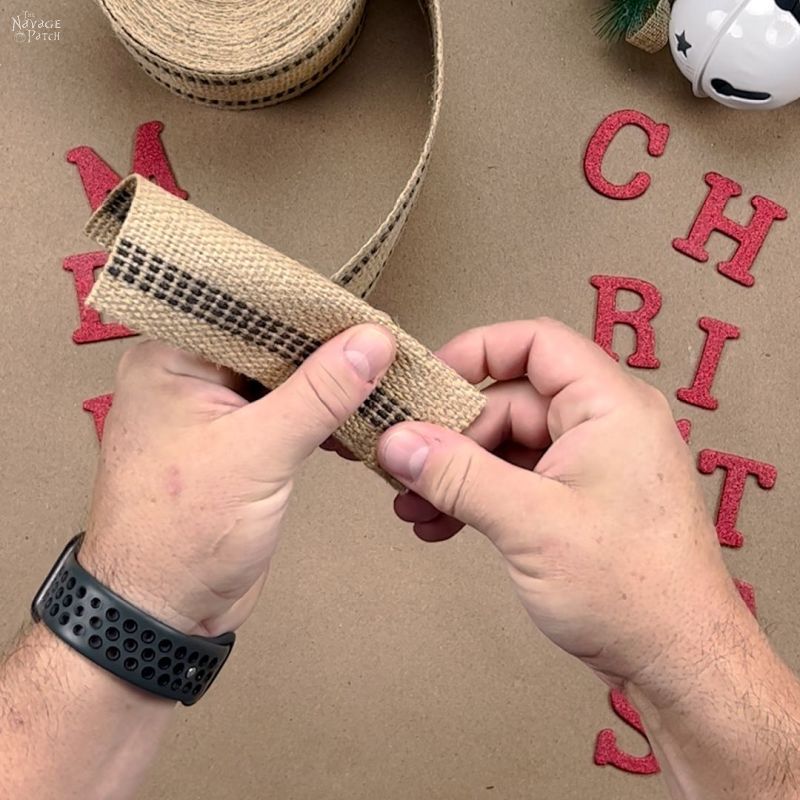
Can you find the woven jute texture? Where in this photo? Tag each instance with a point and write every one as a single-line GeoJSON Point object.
{"type": "Point", "coordinates": [653, 35]}
{"type": "Point", "coordinates": [180, 275]}
{"type": "Point", "coordinates": [243, 54]}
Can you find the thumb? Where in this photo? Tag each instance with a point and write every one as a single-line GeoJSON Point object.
{"type": "Point", "coordinates": [321, 394]}
{"type": "Point", "coordinates": [463, 480]}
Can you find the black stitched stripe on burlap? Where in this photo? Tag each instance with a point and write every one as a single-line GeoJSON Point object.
{"type": "Point", "coordinates": [118, 205]}
{"type": "Point", "coordinates": [365, 259]}
{"type": "Point", "coordinates": [182, 291]}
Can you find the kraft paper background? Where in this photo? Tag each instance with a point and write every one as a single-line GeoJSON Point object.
{"type": "Point", "coordinates": [377, 666]}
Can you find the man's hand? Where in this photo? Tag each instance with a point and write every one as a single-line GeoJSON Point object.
{"type": "Point", "coordinates": [192, 484]}
{"type": "Point", "coordinates": [578, 475]}
{"type": "Point", "coordinates": [604, 528]}
{"type": "Point", "coordinates": [193, 480]}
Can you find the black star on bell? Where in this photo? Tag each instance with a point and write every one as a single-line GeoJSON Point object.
{"type": "Point", "coordinates": [683, 44]}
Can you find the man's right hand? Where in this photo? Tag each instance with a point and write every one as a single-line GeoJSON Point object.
{"type": "Point", "coordinates": [577, 473]}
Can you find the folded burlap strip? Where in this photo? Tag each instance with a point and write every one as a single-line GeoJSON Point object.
{"type": "Point", "coordinates": [180, 275]}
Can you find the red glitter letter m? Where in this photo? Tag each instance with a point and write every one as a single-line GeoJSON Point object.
{"type": "Point", "coordinates": [149, 159]}
{"type": "Point", "coordinates": [98, 179]}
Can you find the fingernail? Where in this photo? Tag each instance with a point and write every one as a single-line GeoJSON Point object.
{"type": "Point", "coordinates": [404, 454]}
{"type": "Point", "coordinates": [369, 351]}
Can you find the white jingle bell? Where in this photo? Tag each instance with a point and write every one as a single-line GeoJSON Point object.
{"type": "Point", "coordinates": [743, 53]}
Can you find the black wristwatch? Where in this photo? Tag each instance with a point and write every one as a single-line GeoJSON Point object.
{"type": "Point", "coordinates": [120, 638]}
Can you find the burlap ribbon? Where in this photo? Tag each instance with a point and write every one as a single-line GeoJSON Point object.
{"type": "Point", "coordinates": [178, 274]}
{"type": "Point", "coordinates": [653, 34]}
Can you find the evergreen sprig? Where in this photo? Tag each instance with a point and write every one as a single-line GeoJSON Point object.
{"type": "Point", "coordinates": [618, 18]}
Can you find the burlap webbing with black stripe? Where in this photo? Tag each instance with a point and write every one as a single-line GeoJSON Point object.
{"type": "Point", "coordinates": [178, 274]}
{"type": "Point", "coordinates": [183, 276]}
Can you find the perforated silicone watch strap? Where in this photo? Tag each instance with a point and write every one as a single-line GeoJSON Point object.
{"type": "Point", "coordinates": [120, 638]}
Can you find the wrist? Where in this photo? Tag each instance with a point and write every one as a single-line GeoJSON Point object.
{"type": "Point", "coordinates": [147, 586]}
{"type": "Point", "coordinates": [45, 654]}
{"type": "Point", "coordinates": [120, 637]}
{"type": "Point", "coordinates": [716, 642]}
{"type": "Point", "coordinates": [61, 710]}
{"type": "Point", "coordinates": [722, 710]}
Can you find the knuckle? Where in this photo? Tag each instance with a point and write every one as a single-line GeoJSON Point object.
{"type": "Point", "coordinates": [653, 399]}
{"type": "Point", "coordinates": [556, 419]}
{"type": "Point", "coordinates": [453, 481]}
{"type": "Point", "coordinates": [146, 361]}
{"type": "Point", "coordinates": [143, 354]}
{"type": "Point", "coordinates": [132, 359]}
{"type": "Point", "coordinates": [327, 393]}
{"type": "Point", "coordinates": [547, 323]}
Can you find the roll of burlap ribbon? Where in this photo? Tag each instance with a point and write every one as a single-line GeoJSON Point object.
{"type": "Point", "coordinates": [180, 275]}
